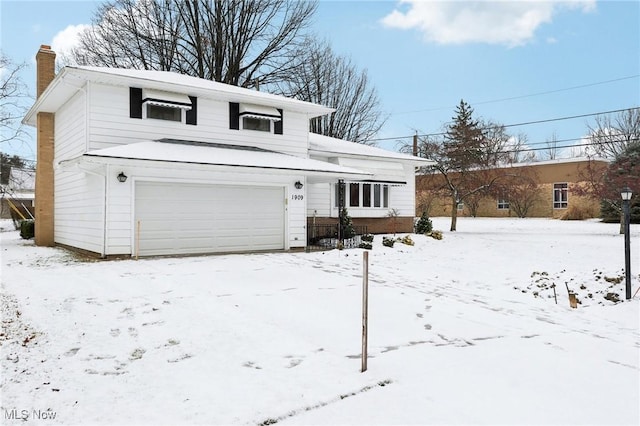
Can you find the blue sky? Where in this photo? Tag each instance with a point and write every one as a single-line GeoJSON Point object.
{"type": "Point", "coordinates": [423, 57]}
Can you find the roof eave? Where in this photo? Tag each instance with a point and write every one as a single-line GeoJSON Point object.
{"type": "Point", "coordinates": [268, 99]}
{"type": "Point", "coordinates": [418, 161]}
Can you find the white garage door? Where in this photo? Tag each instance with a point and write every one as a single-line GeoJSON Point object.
{"type": "Point", "coordinates": [177, 218]}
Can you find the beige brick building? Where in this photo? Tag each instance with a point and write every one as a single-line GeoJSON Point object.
{"type": "Point", "coordinates": [542, 189]}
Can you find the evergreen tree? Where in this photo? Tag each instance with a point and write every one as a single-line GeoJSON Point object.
{"type": "Point", "coordinates": [463, 139]}
{"type": "Point", "coordinates": [424, 225]}
{"type": "Point", "coordinates": [346, 225]}
{"type": "Point", "coordinates": [6, 163]}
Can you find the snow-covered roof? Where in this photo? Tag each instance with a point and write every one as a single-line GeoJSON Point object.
{"type": "Point", "coordinates": [189, 152]}
{"type": "Point", "coordinates": [72, 78]}
{"type": "Point", "coordinates": [326, 146]}
{"type": "Point", "coordinates": [556, 161]}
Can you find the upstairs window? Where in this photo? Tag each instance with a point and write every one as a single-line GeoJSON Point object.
{"type": "Point", "coordinates": [160, 112]}
{"type": "Point", "coordinates": [250, 123]}
{"type": "Point", "coordinates": [255, 117]}
{"type": "Point", "coordinates": [159, 105]}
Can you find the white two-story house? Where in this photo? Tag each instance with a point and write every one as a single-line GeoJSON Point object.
{"type": "Point", "coordinates": [134, 162]}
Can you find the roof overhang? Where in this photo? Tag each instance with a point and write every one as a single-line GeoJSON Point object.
{"type": "Point", "coordinates": [229, 157]}
{"type": "Point", "coordinates": [388, 172]}
{"type": "Point", "coordinates": [327, 147]}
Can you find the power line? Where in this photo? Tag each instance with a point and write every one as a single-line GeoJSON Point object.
{"type": "Point", "coordinates": [526, 123]}
{"type": "Point", "coordinates": [548, 92]}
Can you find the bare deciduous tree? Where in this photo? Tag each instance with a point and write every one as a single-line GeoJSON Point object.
{"type": "Point", "coordinates": [520, 185]}
{"type": "Point", "coordinates": [610, 136]}
{"type": "Point", "coordinates": [518, 151]}
{"type": "Point", "coordinates": [325, 78]}
{"type": "Point", "coordinates": [552, 150]}
{"type": "Point", "coordinates": [13, 100]}
{"type": "Point", "coordinates": [238, 42]}
{"type": "Point", "coordinates": [495, 143]}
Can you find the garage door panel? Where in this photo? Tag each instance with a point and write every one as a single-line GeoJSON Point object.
{"type": "Point", "coordinates": [189, 218]}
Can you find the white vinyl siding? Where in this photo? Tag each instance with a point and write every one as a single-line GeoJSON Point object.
{"type": "Point", "coordinates": [79, 210]}
{"type": "Point", "coordinates": [110, 125]}
{"type": "Point", "coordinates": [190, 218]}
{"type": "Point", "coordinates": [319, 200]}
{"type": "Point", "coordinates": [70, 128]}
{"type": "Point", "coordinates": [79, 200]}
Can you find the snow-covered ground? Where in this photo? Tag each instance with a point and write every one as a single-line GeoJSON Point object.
{"type": "Point", "coordinates": [462, 331]}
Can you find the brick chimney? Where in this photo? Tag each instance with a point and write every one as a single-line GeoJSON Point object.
{"type": "Point", "coordinates": [44, 196]}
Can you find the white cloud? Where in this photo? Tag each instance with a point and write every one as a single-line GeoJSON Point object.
{"type": "Point", "coordinates": [66, 40]}
{"type": "Point", "coordinates": [510, 23]}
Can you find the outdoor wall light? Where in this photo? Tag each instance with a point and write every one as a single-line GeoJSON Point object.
{"type": "Point", "coordinates": [298, 185]}
{"type": "Point", "coordinates": [122, 177]}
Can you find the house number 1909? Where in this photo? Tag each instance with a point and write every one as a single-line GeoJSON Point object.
{"type": "Point", "coordinates": [297, 197]}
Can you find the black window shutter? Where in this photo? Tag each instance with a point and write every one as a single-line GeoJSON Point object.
{"type": "Point", "coordinates": [277, 126]}
{"type": "Point", "coordinates": [234, 115]}
{"type": "Point", "coordinates": [135, 102]}
{"type": "Point", "coordinates": [192, 114]}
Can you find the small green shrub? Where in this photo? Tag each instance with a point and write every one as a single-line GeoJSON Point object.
{"type": "Point", "coordinates": [424, 224]}
{"type": "Point", "coordinates": [368, 238]}
{"type": "Point", "coordinates": [366, 245]}
{"type": "Point", "coordinates": [388, 242]}
{"type": "Point", "coordinates": [27, 229]}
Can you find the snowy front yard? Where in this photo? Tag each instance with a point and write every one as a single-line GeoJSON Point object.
{"type": "Point", "coordinates": [456, 334]}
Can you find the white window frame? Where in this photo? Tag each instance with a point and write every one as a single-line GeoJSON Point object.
{"type": "Point", "coordinates": [558, 189]}
{"type": "Point", "coordinates": [503, 203]}
{"type": "Point", "coordinates": [460, 206]}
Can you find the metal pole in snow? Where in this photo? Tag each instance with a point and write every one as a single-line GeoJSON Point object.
{"type": "Point", "coordinates": [365, 307]}
{"type": "Point", "coordinates": [627, 250]}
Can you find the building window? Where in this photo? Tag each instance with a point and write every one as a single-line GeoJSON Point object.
{"type": "Point", "coordinates": [460, 206]}
{"type": "Point", "coordinates": [503, 203]}
{"type": "Point", "coordinates": [252, 123]}
{"type": "Point", "coordinates": [376, 195]}
{"type": "Point", "coordinates": [366, 195]}
{"type": "Point", "coordinates": [385, 196]}
{"type": "Point", "coordinates": [362, 195]}
{"type": "Point", "coordinates": [560, 195]}
{"type": "Point", "coordinates": [354, 195]}
{"type": "Point", "coordinates": [160, 112]}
